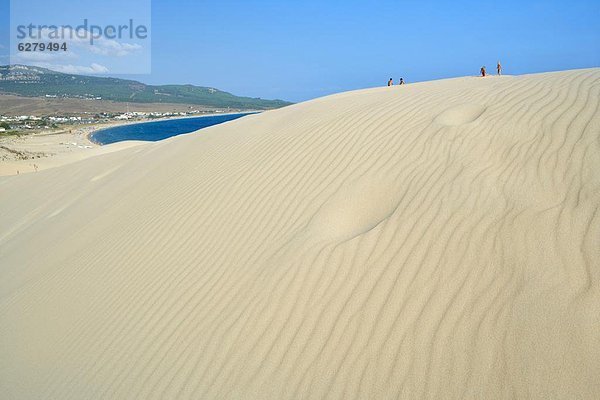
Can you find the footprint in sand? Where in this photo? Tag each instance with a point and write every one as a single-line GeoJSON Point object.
{"type": "Point", "coordinates": [105, 173]}
{"type": "Point", "coordinates": [356, 208]}
{"type": "Point", "coordinates": [459, 115]}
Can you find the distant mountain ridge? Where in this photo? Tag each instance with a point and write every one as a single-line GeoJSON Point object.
{"type": "Point", "coordinates": [30, 81]}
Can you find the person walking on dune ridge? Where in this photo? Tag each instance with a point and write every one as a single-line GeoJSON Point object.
{"type": "Point", "coordinates": [482, 70]}
{"type": "Point", "coordinates": [499, 68]}
{"type": "Point", "coordinates": [390, 82]}
{"type": "Point", "coordinates": [401, 81]}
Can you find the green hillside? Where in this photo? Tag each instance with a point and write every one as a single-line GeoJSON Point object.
{"type": "Point", "coordinates": [31, 81]}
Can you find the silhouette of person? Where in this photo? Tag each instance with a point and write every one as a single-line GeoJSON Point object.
{"type": "Point", "coordinates": [390, 82]}
{"type": "Point", "coordinates": [499, 68]}
{"type": "Point", "coordinates": [482, 71]}
{"type": "Point", "coordinates": [401, 81]}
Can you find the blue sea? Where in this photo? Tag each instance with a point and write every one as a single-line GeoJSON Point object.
{"type": "Point", "coordinates": [158, 130]}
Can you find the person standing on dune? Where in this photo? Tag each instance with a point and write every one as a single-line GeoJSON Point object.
{"type": "Point", "coordinates": [499, 68]}
{"type": "Point", "coordinates": [401, 81]}
{"type": "Point", "coordinates": [390, 82]}
{"type": "Point", "coordinates": [482, 71]}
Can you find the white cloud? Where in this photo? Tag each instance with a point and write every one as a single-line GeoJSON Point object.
{"type": "Point", "coordinates": [100, 46]}
{"type": "Point", "coordinates": [73, 69]}
{"type": "Point", "coordinates": [35, 56]}
{"type": "Point", "coordinates": [81, 69]}
{"type": "Point", "coordinates": [81, 56]}
{"type": "Point", "coordinates": [107, 47]}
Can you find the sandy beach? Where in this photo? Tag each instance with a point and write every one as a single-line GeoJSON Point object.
{"type": "Point", "coordinates": [42, 150]}
{"type": "Point", "coordinates": [436, 240]}
{"type": "Point", "coordinates": [52, 148]}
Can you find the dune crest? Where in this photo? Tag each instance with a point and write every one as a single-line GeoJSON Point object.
{"type": "Point", "coordinates": [437, 240]}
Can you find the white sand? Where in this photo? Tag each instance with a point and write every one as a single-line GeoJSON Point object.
{"type": "Point", "coordinates": [437, 240]}
{"type": "Point", "coordinates": [43, 150]}
{"type": "Point", "coordinates": [34, 152]}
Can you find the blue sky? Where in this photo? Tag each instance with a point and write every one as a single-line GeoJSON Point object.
{"type": "Point", "coordinates": [296, 50]}
{"type": "Point", "coordinates": [84, 53]}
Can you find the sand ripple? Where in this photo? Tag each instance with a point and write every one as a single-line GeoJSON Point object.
{"type": "Point", "coordinates": [432, 241]}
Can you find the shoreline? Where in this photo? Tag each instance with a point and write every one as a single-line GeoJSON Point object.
{"type": "Point", "coordinates": [89, 134]}
{"type": "Point", "coordinates": [37, 151]}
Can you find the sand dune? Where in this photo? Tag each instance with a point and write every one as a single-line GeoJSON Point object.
{"type": "Point", "coordinates": [58, 154]}
{"type": "Point", "coordinates": [435, 240]}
